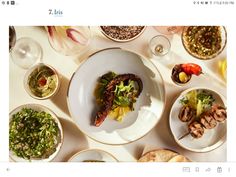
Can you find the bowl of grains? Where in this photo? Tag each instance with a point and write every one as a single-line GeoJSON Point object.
{"type": "Point", "coordinates": [204, 42]}
{"type": "Point", "coordinates": [122, 33]}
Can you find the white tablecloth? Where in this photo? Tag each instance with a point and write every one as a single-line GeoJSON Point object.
{"type": "Point", "coordinates": [160, 136]}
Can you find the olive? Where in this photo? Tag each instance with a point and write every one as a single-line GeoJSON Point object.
{"type": "Point", "coordinates": [183, 77]}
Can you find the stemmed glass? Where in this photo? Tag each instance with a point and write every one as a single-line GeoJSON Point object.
{"type": "Point", "coordinates": [168, 30]}
{"type": "Point", "coordinates": [159, 45]}
{"type": "Point", "coordinates": [25, 52]}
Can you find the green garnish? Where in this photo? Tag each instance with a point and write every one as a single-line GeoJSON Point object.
{"type": "Point", "coordinates": [125, 95]}
{"type": "Point", "coordinates": [33, 134]}
{"type": "Point", "coordinates": [198, 100]}
{"type": "Point", "coordinates": [104, 80]}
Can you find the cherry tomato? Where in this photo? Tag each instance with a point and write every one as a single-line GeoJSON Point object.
{"type": "Point", "coordinates": [42, 81]}
{"type": "Point", "coordinates": [191, 68]}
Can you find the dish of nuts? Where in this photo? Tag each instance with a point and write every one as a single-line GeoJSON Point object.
{"type": "Point", "coordinates": [122, 33]}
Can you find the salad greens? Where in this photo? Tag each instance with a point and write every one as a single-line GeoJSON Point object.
{"type": "Point", "coordinates": [125, 95]}
{"type": "Point", "coordinates": [33, 134]}
{"type": "Point", "coordinates": [199, 100]}
{"type": "Point", "coordinates": [102, 83]}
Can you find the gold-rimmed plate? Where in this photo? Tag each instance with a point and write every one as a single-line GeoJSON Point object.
{"type": "Point", "coordinates": [147, 110]}
{"type": "Point", "coordinates": [92, 155]}
{"type": "Point", "coordinates": [211, 139]}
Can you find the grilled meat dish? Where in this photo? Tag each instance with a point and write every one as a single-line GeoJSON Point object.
{"type": "Point", "coordinates": [109, 95]}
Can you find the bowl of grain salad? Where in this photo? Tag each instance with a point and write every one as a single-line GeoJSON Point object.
{"type": "Point", "coordinates": [204, 42]}
{"type": "Point", "coordinates": [122, 33]}
{"type": "Point", "coordinates": [35, 134]}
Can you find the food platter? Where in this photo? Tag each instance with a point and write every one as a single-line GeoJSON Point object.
{"type": "Point", "coordinates": [211, 138]}
{"type": "Point", "coordinates": [148, 108]}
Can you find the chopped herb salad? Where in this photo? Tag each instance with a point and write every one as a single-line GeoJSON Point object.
{"type": "Point", "coordinates": [33, 134]}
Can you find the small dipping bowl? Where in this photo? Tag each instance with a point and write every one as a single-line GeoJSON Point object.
{"type": "Point", "coordinates": [35, 73]}
{"type": "Point", "coordinates": [175, 76]}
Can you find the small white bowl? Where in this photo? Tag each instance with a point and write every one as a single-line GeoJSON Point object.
{"type": "Point", "coordinates": [26, 82]}
{"type": "Point", "coordinates": [92, 155]}
{"type": "Point", "coordinates": [38, 107]}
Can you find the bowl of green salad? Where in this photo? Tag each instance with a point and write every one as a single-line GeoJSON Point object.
{"type": "Point", "coordinates": [42, 81]}
{"type": "Point", "coordinates": [35, 134]}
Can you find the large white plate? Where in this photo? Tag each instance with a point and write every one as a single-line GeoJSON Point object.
{"type": "Point", "coordinates": [211, 139]}
{"type": "Point", "coordinates": [148, 108]}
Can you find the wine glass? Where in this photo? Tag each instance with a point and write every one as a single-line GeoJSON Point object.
{"type": "Point", "coordinates": [159, 45]}
{"type": "Point", "coordinates": [168, 30]}
{"type": "Point", "coordinates": [25, 52]}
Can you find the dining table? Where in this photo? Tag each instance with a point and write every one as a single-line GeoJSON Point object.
{"type": "Point", "coordinates": [160, 137]}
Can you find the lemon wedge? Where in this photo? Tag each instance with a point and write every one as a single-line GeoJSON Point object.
{"type": "Point", "coordinates": [223, 68]}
